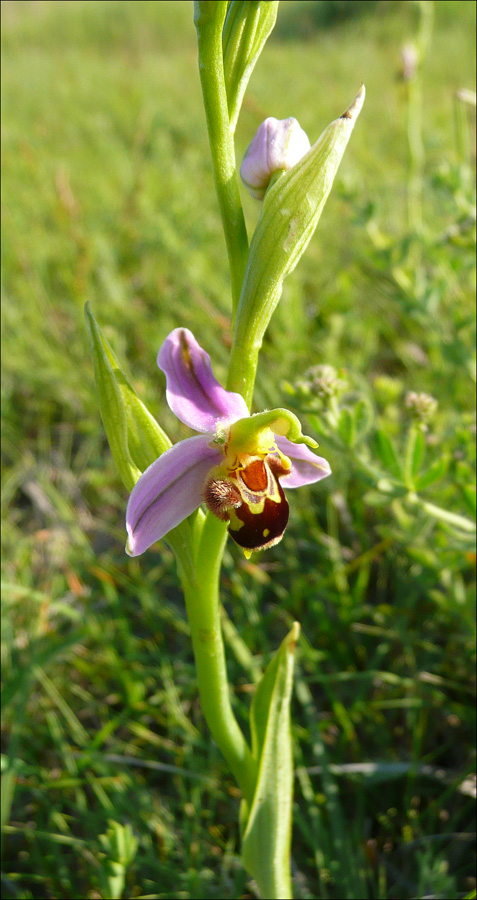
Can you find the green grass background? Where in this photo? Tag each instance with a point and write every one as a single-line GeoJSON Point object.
{"type": "Point", "coordinates": [108, 196]}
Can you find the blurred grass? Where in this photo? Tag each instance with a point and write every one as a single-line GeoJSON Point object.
{"type": "Point", "coordinates": [108, 197]}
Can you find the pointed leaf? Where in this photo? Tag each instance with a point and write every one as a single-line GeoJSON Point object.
{"type": "Point", "coordinates": [247, 27]}
{"type": "Point", "coordinates": [387, 454]}
{"type": "Point", "coordinates": [120, 847]}
{"type": "Point", "coordinates": [363, 417]}
{"type": "Point", "coordinates": [320, 425]}
{"type": "Point", "coordinates": [267, 836]}
{"type": "Point", "coordinates": [290, 213]}
{"type": "Point", "coordinates": [134, 436]}
{"type": "Point", "coordinates": [415, 449]}
{"type": "Point", "coordinates": [346, 427]}
{"type": "Point", "coordinates": [469, 495]}
{"type": "Point", "coordinates": [436, 470]}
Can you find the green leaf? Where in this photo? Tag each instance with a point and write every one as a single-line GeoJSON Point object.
{"type": "Point", "coordinates": [346, 427]}
{"type": "Point", "coordinates": [387, 454]}
{"type": "Point", "coordinates": [134, 436]}
{"type": "Point", "coordinates": [267, 835]}
{"type": "Point", "coordinates": [120, 847]}
{"type": "Point", "coordinates": [289, 215]}
{"type": "Point", "coordinates": [454, 520]}
{"type": "Point", "coordinates": [436, 470]}
{"type": "Point", "coordinates": [415, 449]}
{"type": "Point", "coordinates": [8, 784]}
{"type": "Point", "coordinates": [247, 27]}
{"type": "Point", "coordinates": [469, 495]}
{"type": "Point", "coordinates": [320, 425]}
{"type": "Point", "coordinates": [363, 417]}
{"type": "Point", "coordinates": [40, 653]}
{"type": "Point", "coordinates": [375, 499]}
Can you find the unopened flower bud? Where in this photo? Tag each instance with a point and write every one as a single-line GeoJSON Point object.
{"type": "Point", "coordinates": [276, 147]}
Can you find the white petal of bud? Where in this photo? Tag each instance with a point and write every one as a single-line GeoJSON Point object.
{"type": "Point", "coordinates": [277, 146]}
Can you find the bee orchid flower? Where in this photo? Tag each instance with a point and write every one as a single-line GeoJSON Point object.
{"type": "Point", "coordinates": [237, 465]}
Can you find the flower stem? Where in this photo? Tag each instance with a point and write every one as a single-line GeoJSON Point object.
{"type": "Point", "coordinates": [202, 602]}
{"type": "Point", "coordinates": [243, 369]}
{"type": "Point", "coordinates": [211, 68]}
{"type": "Point", "coordinates": [442, 515]}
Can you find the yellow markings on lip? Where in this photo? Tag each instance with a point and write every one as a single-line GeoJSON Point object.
{"type": "Point", "coordinates": [266, 532]}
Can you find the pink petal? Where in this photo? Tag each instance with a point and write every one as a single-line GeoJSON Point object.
{"type": "Point", "coordinates": [307, 467]}
{"type": "Point", "coordinates": [193, 394]}
{"type": "Point", "coordinates": [278, 144]}
{"type": "Point", "coordinates": [168, 491]}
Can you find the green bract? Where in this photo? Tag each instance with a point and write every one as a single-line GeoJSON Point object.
{"type": "Point", "coordinates": [134, 436]}
{"type": "Point", "coordinates": [289, 215]}
{"type": "Point", "coordinates": [209, 18]}
{"type": "Point", "coordinates": [247, 27]}
{"type": "Point", "coordinates": [267, 826]}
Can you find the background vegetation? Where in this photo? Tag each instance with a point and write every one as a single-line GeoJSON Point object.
{"type": "Point", "coordinates": [111, 785]}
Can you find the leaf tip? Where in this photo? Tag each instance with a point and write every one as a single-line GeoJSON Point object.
{"type": "Point", "coordinates": [293, 636]}
{"type": "Point", "coordinates": [353, 111]}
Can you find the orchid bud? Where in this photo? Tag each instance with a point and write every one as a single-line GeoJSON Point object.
{"type": "Point", "coordinates": [289, 215]}
{"type": "Point", "coordinates": [276, 147]}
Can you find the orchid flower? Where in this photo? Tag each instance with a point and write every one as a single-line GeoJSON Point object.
{"type": "Point", "coordinates": [235, 465]}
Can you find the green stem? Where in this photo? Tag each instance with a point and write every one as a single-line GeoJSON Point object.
{"type": "Point", "coordinates": [247, 342]}
{"type": "Point", "coordinates": [201, 586]}
{"type": "Point", "coordinates": [242, 369]}
{"type": "Point", "coordinates": [202, 602]}
{"type": "Point", "coordinates": [415, 185]}
{"type": "Point", "coordinates": [416, 154]}
{"type": "Point", "coordinates": [414, 126]}
{"type": "Point", "coordinates": [443, 515]}
{"type": "Point", "coordinates": [211, 68]}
